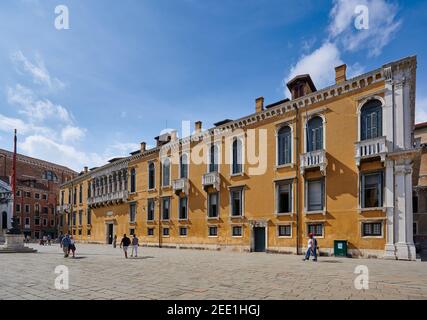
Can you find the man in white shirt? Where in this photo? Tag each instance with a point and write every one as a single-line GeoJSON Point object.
{"type": "Point", "coordinates": [311, 248]}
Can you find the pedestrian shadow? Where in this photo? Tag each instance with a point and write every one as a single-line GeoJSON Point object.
{"type": "Point", "coordinates": [329, 261]}
{"type": "Point", "coordinates": [142, 258]}
{"type": "Point", "coordinates": [76, 258]}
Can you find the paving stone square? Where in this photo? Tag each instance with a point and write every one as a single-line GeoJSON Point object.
{"type": "Point", "coordinates": [102, 272]}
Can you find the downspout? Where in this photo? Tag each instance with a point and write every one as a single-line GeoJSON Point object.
{"type": "Point", "coordinates": [297, 177]}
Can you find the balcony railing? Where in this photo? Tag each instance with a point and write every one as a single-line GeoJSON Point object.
{"type": "Point", "coordinates": [64, 208]}
{"type": "Point", "coordinates": [180, 185]}
{"type": "Point", "coordinates": [106, 198]}
{"type": "Point", "coordinates": [211, 179]}
{"type": "Point", "coordinates": [314, 159]}
{"type": "Point", "coordinates": [371, 148]}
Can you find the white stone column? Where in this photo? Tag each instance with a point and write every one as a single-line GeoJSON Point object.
{"type": "Point", "coordinates": [405, 249]}
{"type": "Point", "coordinates": [390, 249]}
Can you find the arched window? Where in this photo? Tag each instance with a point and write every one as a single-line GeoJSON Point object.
{"type": "Point", "coordinates": [50, 175]}
{"type": "Point", "coordinates": [315, 134]}
{"type": "Point", "coordinates": [166, 173]}
{"type": "Point", "coordinates": [183, 166]}
{"type": "Point", "coordinates": [151, 176]}
{"type": "Point", "coordinates": [284, 146]}
{"type": "Point", "coordinates": [133, 180]}
{"type": "Point", "coordinates": [237, 156]}
{"type": "Point", "coordinates": [371, 120]}
{"type": "Point", "coordinates": [213, 158]}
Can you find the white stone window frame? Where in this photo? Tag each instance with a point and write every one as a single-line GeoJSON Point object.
{"type": "Point", "coordinates": [163, 234]}
{"type": "Point", "coordinates": [293, 160]}
{"type": "Point", "coordinates": [216, 144]}
{"type": "Point", "coordinates": [238, 225]}
{"type": "Point", "coordinates": [291, 182]}
{"type": "Point", "coordinates": [169, 198]}
{"type": "Point", "coordinates": [362, 236]}
{"type": "Point", "coordinates": [307, 118]}
{"type": "Point", "coordinates": [241, 138]}
{"type": "Point", "coordinates": [308, 223]}
{"type": "Point", "coordinates": [186, 208]}
{"type": "Point", "coordinates": [188, 156]}
{"type": "Point", "coordinates": [360, 105]}
{"type": "Point", "coordinates": [242, 200]}
{"type": "Point", "coordinates": [130, 180]}
{"type": "Point", "coordinates": [213, 226]}
{"type": "Point", "coordinates": [324, 210]}
{"type": "Point", "coordinates": [150, 235]}
{"type": "Point", "coordinates": [186, 231]}
{"type": "Point", "coordinates": [148, 175]}
{"type": "Point", "coordinates": [162, 172]}
{"type": "Point", "coordinates": [361, 189]}
{"type": "Point", "coordinates": [278, 225]}
{"type": "Point", "coordinates": [218, 206]}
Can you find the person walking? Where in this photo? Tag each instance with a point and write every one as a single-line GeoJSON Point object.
{"type": "Point", "coordinates": [115, 241]}
{"type": "Point", "coordinates": [311, 248]}
{"type": "Point", "coordinates": [135, 245]}
{"type": "Point", "coordinates": [73, 246]}
{"type": "Point", "coordinates": [125, 245]}
{"type": "Point", "coordinates": [49, 239]}
{"type": "Point", "coordinates": [65, 245]}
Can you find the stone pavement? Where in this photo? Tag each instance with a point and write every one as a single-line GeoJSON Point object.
{"type": "Point", "coordinates": [101, 272]}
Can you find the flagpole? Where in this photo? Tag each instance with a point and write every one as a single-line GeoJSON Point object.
{"type": "Point", "coordinates": [14, 175]}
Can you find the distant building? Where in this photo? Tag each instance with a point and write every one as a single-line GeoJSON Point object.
{"type": "Point", "coordinates": [420, 188]}
{"type": "Point", "coordinates": [37, 189]}
{"type": "Point", "coordinates": [6, 205]}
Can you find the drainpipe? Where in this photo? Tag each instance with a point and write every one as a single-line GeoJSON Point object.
{"type": "Point", "coordinates": [297, 177]}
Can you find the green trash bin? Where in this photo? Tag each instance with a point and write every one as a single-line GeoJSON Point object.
{"type": "Point", "coordinates": [340, 248]}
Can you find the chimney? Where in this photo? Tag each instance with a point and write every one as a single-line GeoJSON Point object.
{"type": "Point", "coordinates": [86, 169]}
{"type": "Point", "coordinates": [143, 146]}
{"type": "Point", "coordinates": [340, 73]}
{"type": "Point", "coordinates": [198, 126]}
{"type": "Point", "coordinates": [173, 135]}
{"type": "Point", "coordinates": [259, 104]}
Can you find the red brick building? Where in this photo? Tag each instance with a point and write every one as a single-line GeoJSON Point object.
{"type": "Point", "coordinates": [37, 192]}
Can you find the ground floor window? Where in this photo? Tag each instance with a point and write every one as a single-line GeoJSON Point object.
{"type": "Point", "coordinates": [132, 231]}
{"type": "Point", "coordinates": [37, 234]}
{"type": "Point", "coordinates": [371, 229]}
{"type": "Point", "coordinates": [166, 232]}
{"type": "Point", "coordinates": [237, 231]}
{"type": "Point", "coordinates": [150, 232]}
{"type": "Point", "coordinates": [183, 231]}
{"type": "Point", "coordinates": [316, 229]}
{"type": "Point", "coordinates": [213, 231]}
{"type": "Point", "coordinates": [80, 232]}
{"type": "Point", "coordinates": [88, 232]}
{"type": "Point", "coordinates": [284, 230]}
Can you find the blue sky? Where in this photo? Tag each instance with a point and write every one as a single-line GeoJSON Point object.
{"type": "Point", "coordinates": [125, 70]}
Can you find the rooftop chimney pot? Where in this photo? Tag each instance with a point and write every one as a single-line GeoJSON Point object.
{"type": "Point", "coordinates": [259, 104]}
{"type": "Point", "coordinates": [341, 73]}
{"type": "Point", "coordinates": [198, 126]}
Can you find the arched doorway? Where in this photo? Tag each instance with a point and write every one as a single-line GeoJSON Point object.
{"type": "Point", "coordinates": [4, 220]}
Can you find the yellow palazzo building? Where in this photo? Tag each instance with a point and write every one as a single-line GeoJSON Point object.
{"type": "Point", "coordinates": [335, 162]}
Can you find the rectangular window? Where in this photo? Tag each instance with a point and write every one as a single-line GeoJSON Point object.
{"type": "Point", "coordinates": [183, 208]}
{"type": "Point", "coordinates": [213, 231]}
{"type": "Point", "coordinates": [151, 176]}
{"type": "Point", "coordinates": [213, 204]}
{"type": "Point", "coordinates": [316, 229]}
{"type": "Point", "coordinates": [373, 229]}
{"type": "Point", "coordinates": [236, 202]}
{"type": "Point", "coordinates": [37, 221]}
{"type": "Point", "coordinates": [80, 232]}
{"type": "Point", "coordinates": [81, 194]}
{"type": "Point", "coordinates": [237, 231]}
{"type": "Point", "coordinates": [284, 231]}
{"type": "Point", "coordinates": [372, 190]}
{"type": "Point", "coordinates": [74, 218]}
{"type": "Point", "coordinates": [165, 232]}
{"type": "Point", "coordinates": [27, 208]}
{"type": "Point", "coordinates": [45, 210]}
{"type": "Point", "coordinates": [132, 231]}
{"type": "Point", "coordinates": [18, 220]}
{"type": "Point", "coordinates": [88, 232]}
{"type": "Point", "coordinates": [132, 212]}
{"type": "Point", "coordinates": [37, 209]}
{"type": "Point", "coordinates": [150, 209]}
{"type": "Point", "coordinates": [37, 195]}
{"type": "Point", "coordinates": [150, 232]}
{"type": "Point", "coordinates": [80, 217]}
{"type": "Point", "coordinates": [61, 221]}
{"type": "Point", "coordinates": [415, 204]}
{"type": "Point", "coordinates": [52, 223]}
{"type": "Point", "coordinates": [183, 231]}
{"type": "Point", "coordinates": [44, 196]}
{"type": "Point", "coordinates": [18, 193]}
{"type": "Point", "coordinates": [284, 197]}
{"type": "Point", "coordinates": [28, 194]}
{"type": "Point", "coordinates": [18, 207]}
{"type": "Point", "coordinates": [62, 197]}
{"type": "Point", "coordinates": [45, 222]}
{"type": "Point", "coordinates": [166, 208]}
{"type": "Point", "coordinates": [27, 221]}
{"type": "Point", "coordinates": [315, 195]}
{"type": "Point", "coordinates": [89, 216]}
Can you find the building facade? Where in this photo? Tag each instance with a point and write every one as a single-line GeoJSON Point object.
{"type": "Point", "coordinates": [335, 162]}
{"type": "Point", "coordinates": [37, 188]}
{"type": "Point", "coordinates": [420, 189]}
{"type": "Point", "coordinates": [6, 206]}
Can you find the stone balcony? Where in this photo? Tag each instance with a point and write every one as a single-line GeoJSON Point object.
{"type": "Point", "coordinates": [211, 179]}
{"type": "Point", "coordinates": [63, 208]}
{"type": "Point", "coordinates": [313, 160]}
{"type": "Point", "coordinates": [180, 185]}
{"type": "Point", "coordinates": [371, 148]}
{"type": "Point", "coordinates": [108, 199]}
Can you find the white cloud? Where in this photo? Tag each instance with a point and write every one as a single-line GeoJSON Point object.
{"type": "Point", "coordinates": [383, 25]}
{"type": "Point", "coordinates": [9, 124]}
{"type": "Point", "coordinates": [319, 64]}
{"type": "Point", "coordinates": [421, 110]}
{"type": "Point", "coordinates": [72, 134]}
{"type": "Point", "coordinates": [37, 70]}
{"type": "Point", "coordinates": [124, 148]}
{"type": "Point", "coordinates": [37, 110]}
